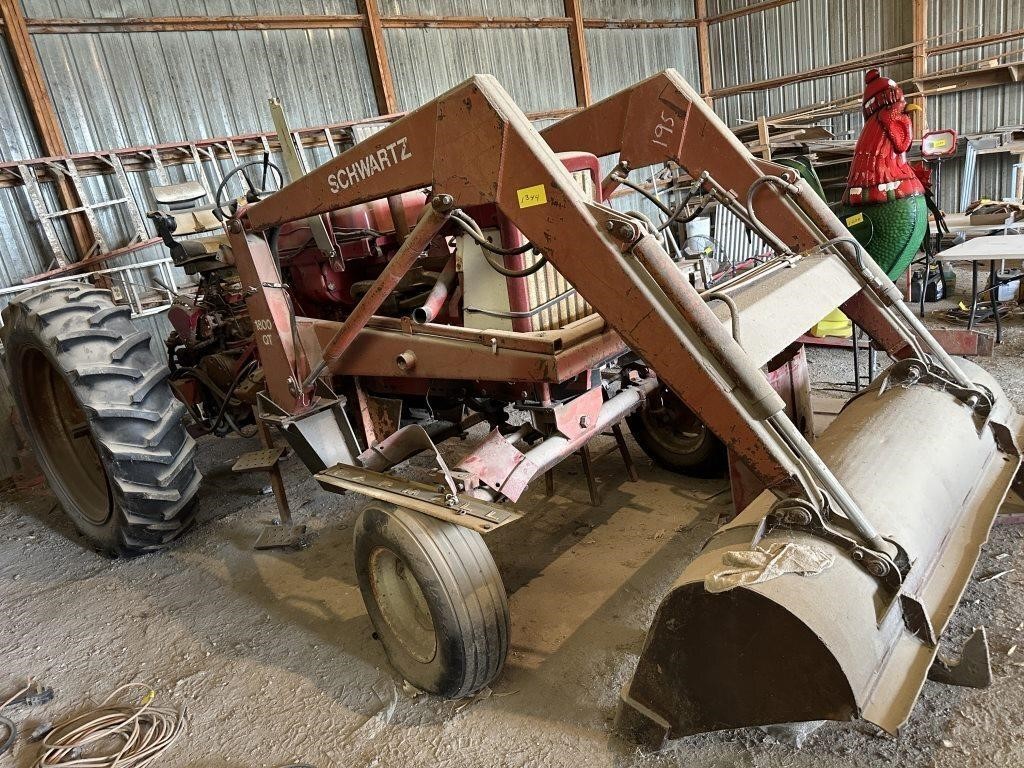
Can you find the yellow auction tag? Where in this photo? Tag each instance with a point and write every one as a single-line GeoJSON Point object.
{"type": "Point", "coordinates": [940, 142]}
{"type": "Point", "coordinates": [531, 196]}
{"type": "Point", "coordinates": [857, 218]}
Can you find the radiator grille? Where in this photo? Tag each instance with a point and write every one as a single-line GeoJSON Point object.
{"type": "Point", "coordinates": [547, 284]}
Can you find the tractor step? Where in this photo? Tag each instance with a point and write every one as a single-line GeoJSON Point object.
{"type": "Point", "coordinates": [258, 461]}
{"type": "Point", "coordinates": [282, 536]}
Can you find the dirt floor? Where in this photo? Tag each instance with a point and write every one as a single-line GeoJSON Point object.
{"type": "Point", "coordinates": [272, 654]}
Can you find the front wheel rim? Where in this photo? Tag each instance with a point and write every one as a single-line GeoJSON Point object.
{"type": "Point", "coordinates": [402, 604]}
{"type": "Point", "coordinates": [673, 426]}
{"type": "Point", "coordinates": [65, 438]}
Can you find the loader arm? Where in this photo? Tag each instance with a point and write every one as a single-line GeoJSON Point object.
{"type": "Point", "coordinates": [662, 119]}
{"type": "Point", "coordinates": [474, 145]}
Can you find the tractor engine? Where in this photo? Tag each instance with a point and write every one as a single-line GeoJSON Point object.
{"type": "Point", "coordinates": [365, 238]}
{"type": "Point", "coordinates": [211, 355]}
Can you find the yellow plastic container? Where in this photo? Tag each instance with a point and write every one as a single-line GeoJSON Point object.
{"type": "Point", "coordinates": [835, 323]}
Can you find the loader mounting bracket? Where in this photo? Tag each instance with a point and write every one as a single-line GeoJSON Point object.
{"type": "Point", "coordinates": [322, 436]}
{"type": "Point", "coordinates": [911, 371]}
{"type": "Point", "coordinates": [801, 515]}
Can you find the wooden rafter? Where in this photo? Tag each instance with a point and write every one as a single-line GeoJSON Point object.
{"type": "Point", "coordinates": [377, 53]}
{"type": "Point", "coordinates": [700, 8]}
{"type": "Point", "coordinates": [920, 64]}
{"type": "Point", "coordinates": [747, 10]}
{"type": "Point", "coordinates": [71, 26]}
{"type": "Point", "coordinates": [578, 53]}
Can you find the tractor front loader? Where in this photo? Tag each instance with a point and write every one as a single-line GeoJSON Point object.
{"type": "Point", "coordinates": [901, 488]}
{"type": "Point", "coordinates": [458, 268]}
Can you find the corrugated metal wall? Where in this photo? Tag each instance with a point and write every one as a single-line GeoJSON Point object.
{"type": "Point", "coordinates": [116, 90]}
{"type": "Point", "coordinates": [801, 36]}
{"type": "Point", "coordinates": [120, 90]}
{"type": "Point", "coordinates": [763, 45]}
{"type": "Point", "coordinates": [532, 64]}
{"type": "Point", "coordinates": [977, 110]}
{"type": "Point", "coordinates": [19, 241]}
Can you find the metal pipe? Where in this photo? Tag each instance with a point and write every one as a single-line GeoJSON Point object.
{"type": "Point", "coordinates": [827, 481]}
{"type": "Point", "coordinates": [734, 311]}
{"type": "Point", "coordinates": [527, 313]}
{"type": "Point", "coordinates": [396, 205]}
{"type": "Point", "coordinates": [778, 181]}
{"type": "Point", "coordinates": [434, 218]}
{"type": "Point", "coordinates": [889, 306]}
{"type": "Point", "coordinates": [438, 295]}
{"type": "Point", "coordinates": [730, 201]}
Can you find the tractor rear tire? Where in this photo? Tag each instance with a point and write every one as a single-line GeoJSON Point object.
{"type": "Point", "coordinates": [676, 439]}
{"type": "Point", "coordinates": [435, 599]}
{"type": "Point", "coordinates": [99, 412]}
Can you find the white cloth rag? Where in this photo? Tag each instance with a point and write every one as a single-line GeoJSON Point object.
{"type": "Point", "coordinates": [756, 565]}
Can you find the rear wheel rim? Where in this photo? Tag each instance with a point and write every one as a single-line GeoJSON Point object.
{"type": "Point", "coordinates": [402, 604]}
{"type": "Point", "coordinates": [673, 426]}
{"type": "Point", "coordinates": [64, 437]}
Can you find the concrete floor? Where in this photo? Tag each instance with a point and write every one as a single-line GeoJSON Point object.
{"type": "Point", "coordinates": [273, 657]}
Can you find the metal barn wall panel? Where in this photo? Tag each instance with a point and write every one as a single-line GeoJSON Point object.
{"type": "Point", "coordinates": [716, 7]}
{"type": "Point", "coordinates": [532, 64]}
{"type": "Point", "coordinates": [530, 8]}
{"type": "Point", "coordinates": [71, 9]}
{"type": "Point", "coordinates": [18, 238]}
{"type": "Point", "coordinates": [761, 46]}
{"type": "Point", "coordinates": [797, 37]}
{"type": "Point", "coordinates": [972, 111]}
{"type": "Point", "coordinates": [638, 9]}
{"type": "Point", "coordinates": [116, 90]}
{"type": "Point", "coordinates": [621, 57]}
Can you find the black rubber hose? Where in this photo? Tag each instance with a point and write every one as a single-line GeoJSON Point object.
{"type": "Point", "coordinates": [673, 215]}
{"type": "Point", "coordinates": [473, 230]}
{"type": "Point", "coordinates": [244, 371]}
{"type": "Point", "coordinates": [470, 228]}
{"type": "Point", "coordinates": [12, 734]}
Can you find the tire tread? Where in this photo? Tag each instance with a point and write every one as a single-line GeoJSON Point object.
{"type": "Point", "coordinates": [148, 455]}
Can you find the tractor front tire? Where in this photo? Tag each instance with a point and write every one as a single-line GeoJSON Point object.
{"type": "Point", "coordinates": [99, 412]}
{"type": "Point", "coordinates": [676, 439]}
{"type": "Point", "coordinates": [435, 599]}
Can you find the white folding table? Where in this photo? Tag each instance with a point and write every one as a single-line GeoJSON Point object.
{"type": "Point", "coordinates": [993, 248]}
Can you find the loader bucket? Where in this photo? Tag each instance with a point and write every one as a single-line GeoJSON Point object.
{"type": "Point", "coordinates": [930, 473]}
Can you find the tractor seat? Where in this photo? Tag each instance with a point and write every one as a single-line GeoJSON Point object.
{"type": "Point", "coordinates": [179, 201]}
{"type": "Point", "coordinates": [177, 197]}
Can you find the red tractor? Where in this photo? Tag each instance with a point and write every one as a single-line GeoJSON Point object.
{"type": "Point", "coordinates": [458, 268]}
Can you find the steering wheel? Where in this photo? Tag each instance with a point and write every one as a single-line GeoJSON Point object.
{"type": "Point", "coordinates": [254, 193]}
